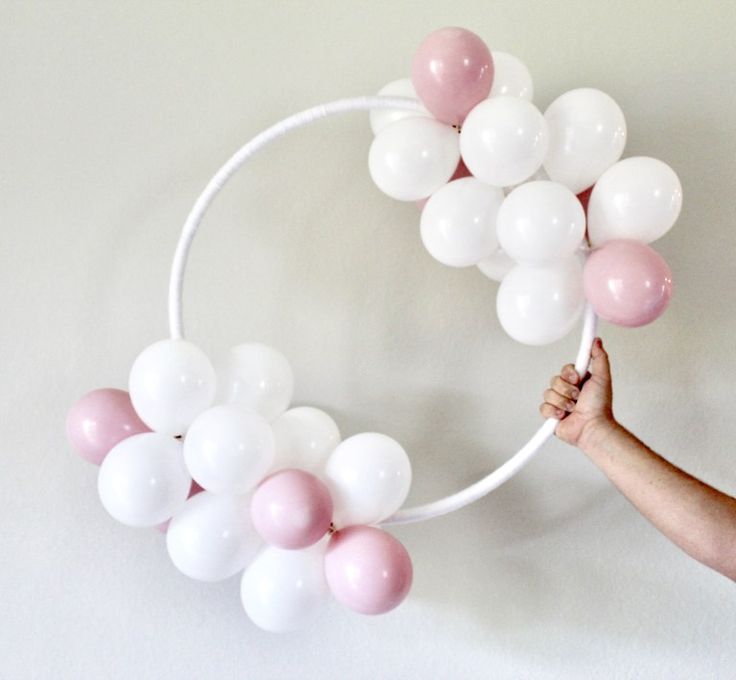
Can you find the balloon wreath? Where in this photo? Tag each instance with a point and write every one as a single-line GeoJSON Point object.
{"type": "Point", "coordinates": [539, 202]}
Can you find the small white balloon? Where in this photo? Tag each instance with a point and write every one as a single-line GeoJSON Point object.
{"type": "Point", "coordinates": [539, 304]}
{"type": "Point", "coordinates": [304, 438]}
{"type": "Point", "coordinates": [458, 224]}
{"type": "Point", "coordinates": [143, 480]}
{"type": "Point", "coordinates": [511, 77]}
{"type": "Point", "coordinates": [284, 590]}
{"type": "Point", "coordinates": [369, 476]}
{"type": "Point", "coordinates": [259, 377]}
{"type": "Point", "coordinates": [413, 157]}
{"type": "Point", "coordinates": [587, 134]}
{"type": "Point", "coordinates": [170, 384]}
{"type": "Point", "coordinates": [212, 537]}
{"type": "Point", "coordinates": [229, 449]}
{"type": "Point", "coordinates": [540, 221]}
{"type": "Point", "coordinates": [638, 198]}
{"type": "Point", "coordinates": [496, 266]}
{"type": "Point", "coordinates": [382, 118]}
{"type": "Point", "coordinates": [504, 141]}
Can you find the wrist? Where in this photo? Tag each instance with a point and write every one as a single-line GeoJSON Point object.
{"type": "Point", "coordinates": [596, 431]}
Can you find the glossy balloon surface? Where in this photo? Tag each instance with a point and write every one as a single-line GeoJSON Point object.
{"type": "Point", "coordinates": [229, 449]}
{"type": "Point", "coordinates": [368, 570]}
{"type": "Point", "coordinates": [587, 134]}
{"type": "Point", "coordinates": [284, 590]}
{"type": "Point", "coordinates": [504, 141]}
{"type": "Point", "coordinates": [637, 198]}
{"type": "Point", "coordinates": [212, 538]}
{"type": "Point", "coordinates": [412, 158]}
{"type": "Point", "coordinates": [100, 420]}
{"type": "Point", "coordinates": [143, 481]}
{"type": "Point", "coordinates": [540, 304]}
{"type": "Point", "coordinates": [458, 224]}
{"type": "Point", "coordinates": [171, 383]}
{"type": "Point", "coordinates": [628, 283]}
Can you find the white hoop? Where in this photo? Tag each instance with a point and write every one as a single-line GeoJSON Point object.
{"type": "Point", "coordinates": [176, 286]}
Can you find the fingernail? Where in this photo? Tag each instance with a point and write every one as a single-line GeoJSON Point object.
{"type": "Point", "coordinates": [560, 413]}
{"type": "Point", "coordinates": [575, 394]}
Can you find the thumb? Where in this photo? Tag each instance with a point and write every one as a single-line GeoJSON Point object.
{"type": "Point", "coordinates": [601, 367]}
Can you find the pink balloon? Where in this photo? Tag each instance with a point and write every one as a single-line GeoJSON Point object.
{"type": "Point", "coordinates": [627, 282]}
{"type": "Point", "coordinates": [367, 569]}
{"type": "Point", "coordinates": [452, 71]}
{"type": "Point", "coordinates": [291, 509]}
{"type": "Point", "coordinates": [194, 489]}
{"type": "Point", "coordinates": [100, 420]}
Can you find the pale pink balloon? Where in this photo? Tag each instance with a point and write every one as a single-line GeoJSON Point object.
{"type": "Point", "coordinates": [452, 71]}
{"type": "Point", "coordinates": [100, 420]}
{"type": "Point", "coordinates": [291, 509]}
{"type": "Point", "coordinates": [627, 282]}
{"type": "Point", "coordinates": [367, 569]}
{"type": "Point", "coordinates": [193, 490]}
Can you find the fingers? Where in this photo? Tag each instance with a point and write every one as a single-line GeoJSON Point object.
{"type": "Point", "coordinates": [569, 373]}
{"type": "Point", "coordinates": [601, 367]}
{"type": "Point", "coordinates": [559, 401]}
{"type": "Point", "coordinates": [549, 411]}
{"type": "Point", "coordinates": [564, 388]}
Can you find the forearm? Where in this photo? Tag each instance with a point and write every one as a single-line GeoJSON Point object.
{"type": "Point", "coordinates": [696, 517]}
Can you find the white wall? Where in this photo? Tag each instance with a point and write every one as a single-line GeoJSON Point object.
{"type": "Point", "coordinates": [112, 118]}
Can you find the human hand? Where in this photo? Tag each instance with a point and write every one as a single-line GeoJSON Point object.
{"type": "Point", "coordinates": [583, 407]}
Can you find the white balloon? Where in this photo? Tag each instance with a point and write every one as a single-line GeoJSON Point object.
{"type": "Point", "coordinates": [413, 157]}
{"type": "Point", "coordinates": [369, 476]}
{"type": "Point", "coordinates": [283, 590]}
{"type": "Point", "coordinates": [304, 437]}
{"type": "Point", "coordinates": [259, 377]}
{"type": "Point", "coordinates": [382, 118]}
{"type": "Point", "coordinates": [497, 265]}
{"type": "Point", "coordinates": [211, 537]}
{"type": "Point", "coordinates": [171, 383]}
{"type": "Point", "coordinates": [587, 134]}
{"type": "Point", "coordinates": [229, 449]}
{"type": "Point", "coordinates": [503, 141]}
{"type": "Point", "coordinates": [143, 480]}
{"type": "Point", "coordinates": [540, 221]}
{"type": "Point", "coordinates": [511, 77]}
{"type": "Point", "coordinates": [539, 176]}
{"type": "Point", "coordinates": [638, 198]}
{"type": "Point", "coordinates": [539, 304]}
{"type": "Point", "coordinates": [458, 224]}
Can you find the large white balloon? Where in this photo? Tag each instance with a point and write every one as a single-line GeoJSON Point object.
{"type": "Point", "coordinates": [143, 480]}
{"type": "Point", "coordinates": [587, 134]}
{"type": "Point", "coordinates": [413, 157]}
{"type": "Point", "coordinates": [511, 77]}
{"type": "Point", "coordinates": [458, 224]}
{"type": "Point", "coordinates": [539, 304]}
{"type": "Point", "coordinates": [171, 383]}
{"type": "Point", "coordinates": [304, 437]}
{"type": "Point", "coordinates": [229, 449]}
{"type": "Point", "coordinates": [540, 221]}
{"type": "Point", "coordinates": [369, 476]}
{"type": "Point", "coordinates": [382, 118]}
{"type": "Point", "coordinates": [212, 537]}
{"type": "Point", "coordinates": [259, 377]}
{"type": "Point", "coordinates": [504, 141]}
{"type": "Point", "coordinates": [497, 265]}
{"type": "Point", "coordinates": [638, 198]}
{"type": "Point", "coordinates": [283, 590]}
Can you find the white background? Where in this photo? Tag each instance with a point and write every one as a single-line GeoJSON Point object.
{"type": "Point", "coordinates": [112, 118]}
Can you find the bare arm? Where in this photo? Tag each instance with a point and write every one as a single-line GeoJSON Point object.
{"type": "Point", "coordinates": [696, 517]}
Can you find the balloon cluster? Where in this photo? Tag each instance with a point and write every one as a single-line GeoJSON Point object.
{"type": "Point", "coordinates": [538, 201]}
{"type": "Point", "coordinates": [249, 484]}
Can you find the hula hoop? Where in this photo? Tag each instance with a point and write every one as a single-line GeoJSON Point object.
{"type": "Point", "coordinates": [419, 513]}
